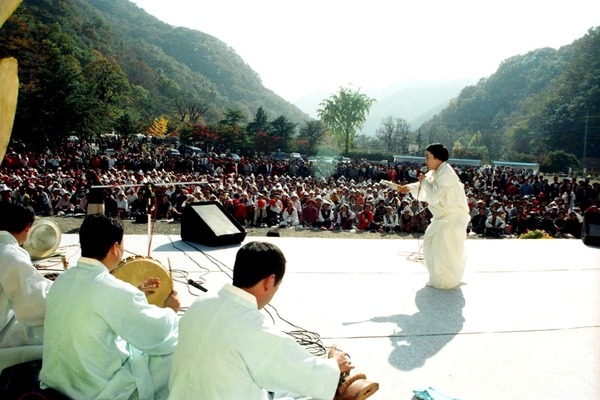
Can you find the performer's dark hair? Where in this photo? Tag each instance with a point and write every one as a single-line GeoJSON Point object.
{"type": "Point", "coordinates": [255, 261]}
{"type": "Point", "coordinates": [15, 217]}
{"type": "Point", "coordinates": [439, 151]}
{"type": "Point", "coordinates": [97, 234]}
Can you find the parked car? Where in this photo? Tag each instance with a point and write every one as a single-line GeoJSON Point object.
{"type": "Point", "coordinates": [191, 151]}
{"type": "Point", "coordinates": [173, 152]}
{"type": "Point", "coordinates": [280, 156]}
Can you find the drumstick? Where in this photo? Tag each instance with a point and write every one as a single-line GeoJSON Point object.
{"type": "Point", "coordinates": [170, 270]}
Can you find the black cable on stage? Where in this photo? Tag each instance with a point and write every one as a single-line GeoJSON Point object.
{"type": "Point", "coordinates": [308, 339]}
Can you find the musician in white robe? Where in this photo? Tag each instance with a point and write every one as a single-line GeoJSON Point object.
{"type": "Point", "coordinates": [443, 242]}
{"type": "Point", "coordinates": [23, 289]}
{"type": "Point", "coordinates": [102, 338]}
{"type": "Point", "coordinates": [228, 349]}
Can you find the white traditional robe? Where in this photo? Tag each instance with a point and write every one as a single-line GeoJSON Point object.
{"type": "Point", "coordinates": [22, 296]}
{"type": "Point", "coordinates": [444, 239]}
{"type": "Point", "coordinates": [103, 340]}
{"type": "Point", "coordinates": [228, 350]}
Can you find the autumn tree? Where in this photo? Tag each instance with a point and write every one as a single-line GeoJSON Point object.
{"type": "Point", "coordinates": [158, 128]}
{"type": "Point", "coordinates": [344, 114]}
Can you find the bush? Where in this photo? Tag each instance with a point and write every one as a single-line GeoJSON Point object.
{"type": "Point", "coordinates": [536, 234]}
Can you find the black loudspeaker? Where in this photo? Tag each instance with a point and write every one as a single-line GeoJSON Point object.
{"type": "Point", "coordinates": [210, 224]}
{"type": "Point", "coordinates": [591, 229]}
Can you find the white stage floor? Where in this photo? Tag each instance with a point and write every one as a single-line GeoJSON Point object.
{"type": "Point", "coordinates": [525, 324]}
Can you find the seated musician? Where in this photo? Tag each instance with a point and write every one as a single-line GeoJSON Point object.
{"type": "Point", "coordinates": [23, 289]}
{"type": "Point", "coordinates": [228, 349]}
{"type": "Point", "coordinates": [102, 338]}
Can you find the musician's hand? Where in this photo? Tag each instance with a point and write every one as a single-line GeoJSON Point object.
{"type": "Point", "coordinates": [173, 301]}
{"type": "Point", "coordinates": [344, 362]}
{"type": "Point", "coordinates": [149, 285]}
{"type": "Point", "coordinates": [404, 189]}
{"type": "Point", "coordinates": [421, 177]}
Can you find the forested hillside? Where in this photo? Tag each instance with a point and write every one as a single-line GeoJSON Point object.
{"type": "Point", "coordinates": [543, 106]}
{"type": "Point", "coordinates": [93, 66]}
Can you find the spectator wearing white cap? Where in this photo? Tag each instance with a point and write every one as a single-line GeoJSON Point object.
{"type": "Point", "coordinates": [5, 194]}
{"type": "Point", "coordinates": [63, 205]}
{"type": "Point", "coordinates": [122, 205]}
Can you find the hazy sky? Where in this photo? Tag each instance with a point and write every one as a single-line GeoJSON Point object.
{"type": "Point", "coordinates": [302, 47]}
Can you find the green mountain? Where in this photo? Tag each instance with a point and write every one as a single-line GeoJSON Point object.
{"type": "Point", "coordinates": [542, 106]}
{"type": "Point", "coordinates": [91, 66]}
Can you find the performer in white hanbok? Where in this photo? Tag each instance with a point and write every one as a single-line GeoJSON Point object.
{"type": "Point", "coordinates": [102, 340]}
{"type": "Point", "coordinates": [229, 350]}
{"type": "Point", "coordinates": [22, 288]}
{"type": "Point", "coordinates": [444, 239]}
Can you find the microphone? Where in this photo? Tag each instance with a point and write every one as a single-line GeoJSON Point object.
{"type": "Point", "coordinates": [197, 285]}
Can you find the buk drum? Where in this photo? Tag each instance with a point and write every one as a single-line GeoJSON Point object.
{"type": "Point", "coordinates": [137, 269]}
{"type": "Point", "coordinates": [43, 239]}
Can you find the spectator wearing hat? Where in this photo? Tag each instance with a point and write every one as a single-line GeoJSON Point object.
{"type": "Point", "coordinates": [326, 216]}
{"type": "Point", "coordinates": [64, 205]}
{"type": "Point", "coordinates": [274, 210]}
{"type": "Point", "coordinates": [405, 220]}
{"type": "Point", "coordinates": [260, 213]}
{"type": "Point", "coordinates": [346, 218]}
{"type": "Point", "coordinates": [239, 209]}
{"type": "Point", "coordinates": [390, 220]}
{"type": "Point", "coordinates": [290, 216]}
{"type": "Point", "coordinates": [5, 194]}
{"type": "Point", "coordinates": [54, 198]}
{"type": "Point", "coordinates": [122, 205]}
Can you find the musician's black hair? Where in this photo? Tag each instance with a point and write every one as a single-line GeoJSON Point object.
{"type": "Point", "coordinates": [255, 261]}
{"type": "Point", "coordinates": [15, 217]}
{"type": "Point", "coordinates": [439, 151]}
{"type": "Point", "coordinates": [97, 234]}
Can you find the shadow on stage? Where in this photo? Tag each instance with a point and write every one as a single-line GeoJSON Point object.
{"type": "Point", "coordinates": [424, 333]}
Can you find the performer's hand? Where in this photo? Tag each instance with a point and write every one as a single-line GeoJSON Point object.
{"type": "Point", "coordinates": [404, 189]}
{"type": "Point", "coordinates": [173, 301]}
{"type": "Point", "coordinates": [421, 177]}
{"type": "Point", "coordinates": [344, 362]}
{"type": "Point", "coordinates": [149, 285]}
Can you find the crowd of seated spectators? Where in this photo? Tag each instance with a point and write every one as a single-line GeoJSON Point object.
{"type": "Point", "coordinates": [263, 192]}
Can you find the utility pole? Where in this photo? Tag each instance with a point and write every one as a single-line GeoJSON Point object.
{"type": "Point", "coordinates": [585, 134]}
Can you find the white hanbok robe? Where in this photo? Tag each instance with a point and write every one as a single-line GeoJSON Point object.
{"type": "Point", "coordinates": [102, 338]}
{"type": "Point", "coordinates": [229, 350]}
{"type": "Point", "coordinates": [23, 293]}
{"type": "Point", "coordinates": [444, 239]}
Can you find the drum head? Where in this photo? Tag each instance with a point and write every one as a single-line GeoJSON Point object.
{"type": "Point", "coordinates": [138, 269]}
{"type": "Point", "coordinates": [43, 239]}
{"type": "Point", "coordinates": [9, 89]}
